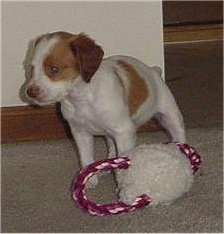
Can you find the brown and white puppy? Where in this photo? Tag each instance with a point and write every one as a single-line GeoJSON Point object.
{"type": "Point", "coordinates": [111, 96]}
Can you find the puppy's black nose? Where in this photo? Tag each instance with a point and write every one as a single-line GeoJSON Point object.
{"type": "Point", "coordinates": [33, 91]}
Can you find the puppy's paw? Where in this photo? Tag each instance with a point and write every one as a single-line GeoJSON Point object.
{"type": "Point", "coordinates": [92, 182]}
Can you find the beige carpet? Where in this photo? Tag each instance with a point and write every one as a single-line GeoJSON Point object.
{"type": "Point", "coordinates": [36, 179]}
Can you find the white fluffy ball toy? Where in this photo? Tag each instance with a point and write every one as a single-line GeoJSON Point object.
{"type": "Point", "coordinates": [151, 174]}
{"type": "Point", "coordinates": [158, 170]}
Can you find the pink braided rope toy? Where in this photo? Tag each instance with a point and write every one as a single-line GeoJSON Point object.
{"type": "Point", "coordinates": [78, 186]}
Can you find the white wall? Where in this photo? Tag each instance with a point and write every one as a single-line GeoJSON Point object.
{"type": "Point", "coordinates": [129, 28]}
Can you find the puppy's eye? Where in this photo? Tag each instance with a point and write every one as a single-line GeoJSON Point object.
{"type": "Point", "coordinates": [54, 70]}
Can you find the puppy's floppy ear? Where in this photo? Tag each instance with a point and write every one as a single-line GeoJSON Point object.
{"type": "Point", "coordinates": [89, 55]}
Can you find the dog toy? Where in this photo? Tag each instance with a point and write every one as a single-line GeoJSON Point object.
{"type": "Point", "coordinates": [158, 174]}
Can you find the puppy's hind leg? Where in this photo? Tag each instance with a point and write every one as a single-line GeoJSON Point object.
{"type": "Point", "coordinates": [112, 150]}
{"type": "Point", "coordinates": [168, 113]}
{"type": "Point", "coordinates": [172, 121]}
{"type": "Point", "coordinates": [125, 138]}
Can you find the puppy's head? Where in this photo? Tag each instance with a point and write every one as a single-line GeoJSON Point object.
{"type": "Point", "coordinates": [58, 61]}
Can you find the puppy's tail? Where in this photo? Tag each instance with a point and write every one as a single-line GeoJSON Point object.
{"type": "Point", "coordinates": [158, 69]}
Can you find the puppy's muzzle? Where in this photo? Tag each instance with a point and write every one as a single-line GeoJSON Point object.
{"type": "Point", "coordinates": [33, 91]}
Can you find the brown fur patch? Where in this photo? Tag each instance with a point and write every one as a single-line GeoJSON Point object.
{"type": "Point", "coordinates": [138, 91]}
{"type": "Point", "coordinates": [61, 64]}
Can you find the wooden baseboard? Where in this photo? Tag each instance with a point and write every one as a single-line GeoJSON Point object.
{"type": "Point", "coordinates": [28, 123]}
{"type": "Point", "coordinates": [177, 34]}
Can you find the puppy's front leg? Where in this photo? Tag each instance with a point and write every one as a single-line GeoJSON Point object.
{"type": "Point", "coordinates": [84, 141]}
{"type": "Point", "coordinates": [85, 144]}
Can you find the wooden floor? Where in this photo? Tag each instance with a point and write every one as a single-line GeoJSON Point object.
{"type": "Point", "coordinates": [197, 73]}
{"type": "Point", "coordinates": [192, 12]}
